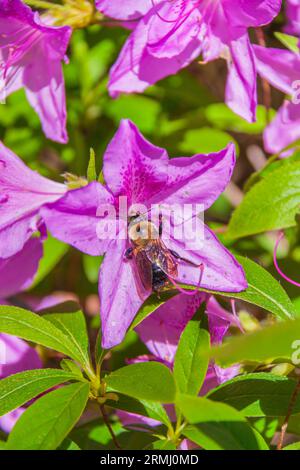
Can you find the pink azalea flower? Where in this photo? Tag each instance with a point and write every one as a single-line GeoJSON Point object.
{"type": "Point", "coordinates": [144, 174]}
{"type": "Point", "coordinates": [31, 55]}
{"type": "Point", "coordinates": [292, 11]}
{"type": "Point", "coordinates": [282, 69]}
{"type": "Point", "coordinates": [17, 356]}
{"type": "Point", "coordinates": [174, 33]}
{"type": "Point", "coordinates": [22, 193]}
{"type": "Point", "coordinates": [18, 271]}
{"type": "Point", "coordinates": [161, 333]}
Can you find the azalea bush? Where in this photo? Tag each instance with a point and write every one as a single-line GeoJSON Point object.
{"type": "Point", "coordinates": [149, 225]}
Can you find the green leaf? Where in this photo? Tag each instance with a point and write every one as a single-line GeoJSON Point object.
{"type": "Point", "coordinates": [18, 389]}
{"type": "Point", "coordinates": [73, 325]}
{"type": "Point", "coordinates": [191, 364]}
{"type": "Point", "coordinates": [144, 381]}
{"type": "Point", "coordinates": [271, 204]}
{"type": "Point", "coordinates": [208, 139]}
{"type": "Point", "coordinates": [217, 426]}
{"type": "Point", "coordinates": [67, 444]}
{"type": "Point", "coordinates": [151, 304]}
{"type": "Point", "coordinates": [163, 444]}
{"type": "Point", "coordinates": [256, 395]}
{"type": "Point", "coordinates": [264, 290]}
{"type": "Point", "coordinates": [27, 325]}
{"type": "Point", "coordinates": [53, 251]}
{"type": "Point", "coordinates": [91, 170]}
{"type": "Point", "coordinates": [70, 366]}
{"type": "Point", "coordinates": [295, 446]}
{"type": "Point", "coordinates": [149, 409]}
{"type": "Point", "coordinates": [291, 42]}
{"type": "Point", "coordinates": [46, 423]}
{"type": "Point", "coordinates": [280, 340]}
{"type": "Point", "coordinates": [220, 116]}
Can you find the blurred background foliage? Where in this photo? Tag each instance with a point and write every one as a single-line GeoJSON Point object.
{"type": "Point", "coordinates": [186, 115]}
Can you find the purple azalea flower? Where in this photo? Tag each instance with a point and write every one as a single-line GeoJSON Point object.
{"type": "Point", "coordinates": [292, 11]}
{"type": "Point", "coordinates": [18, 271]}
{"type": "Point", "coordinates": [161, 333]}
{"type": "Point", "coordinates": [31, 55]}
{"type": "Point", "coordinates": [282, 69]}
{"type": "Point", "coordinates": [173, 34]}
{"type": "Point", "coordinates": [144, 174]}
{"type": "Point", "coordinates": [22, 193]}
{"type": "Point", "coordinates": [16, 356]}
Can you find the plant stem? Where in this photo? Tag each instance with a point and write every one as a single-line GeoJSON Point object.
{"type": "Point", "coordinates": [289, 413]}
{"type": "Point", "coordinates": [107, 423]}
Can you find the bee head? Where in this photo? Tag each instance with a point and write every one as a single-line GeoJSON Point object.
{"type": "Point", "coordinates": [141, 232]}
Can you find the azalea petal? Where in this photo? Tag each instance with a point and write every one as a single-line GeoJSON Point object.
{"type": "Point", "coordinates": [32, 52]}
{"type": "Point", "coordinates": [241, 88]}
{"type": "Point", "coordinates": [139, 66]}
{"type": "Point", "coordinates": [279, 67]}
{"type": "Point", "coordinates": [221, 271]}
{"type": "Point", "coordinates": [75, 218]}
{"type": "Point", "coordinates": [8, 421]}
{"type": "Point", "coordinates": [45, 91]}
{"type": "Point", "coordinates": [22, 193]}
{"type": "Point", "coordinates": [18, 356]}
{"type": "Point", "coordinates": [199, 179]}
{"type": "Point", "coordinates": [120, 10]}
{"type": "Point", "coordinates": [17, 272]}
{"type": "Point", "coordinates": [133, 167]}
{"type": "Point", "coordinates": [252, 13]}
{"type": "Point", "coordinates": [284, 130]}
{"type": "Point", "coordinates": [292, 12]}
{"type": "Point", "coordinates": [120, 293]}
{"type": "Point", "coordinates": [161, 331]}
{"type": "Point", "coordinates": [172, 27]}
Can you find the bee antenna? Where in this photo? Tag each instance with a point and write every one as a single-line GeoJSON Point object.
{"type": "Point", "coordinates": [184, 291]}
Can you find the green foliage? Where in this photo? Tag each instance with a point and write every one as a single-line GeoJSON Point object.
{"type": "Point", "coordinates": [217, 426]}
{"type": "Point", "coordinates": [29, 326]}
{"type": "Point", "coordinates": [46, 423]}
{"type": "Point", "coordinates": [18, 389]}
{"type": "Point", "coordinates": [271, 204]}
{"type": "Point", "coordinates": [276, 341]}
{"type": "Point", "coordinates": [260, 394]}
{"type": "Point", "coordinates": [190, 365]}
{"type": "Point", "coordinates": [144, 381]}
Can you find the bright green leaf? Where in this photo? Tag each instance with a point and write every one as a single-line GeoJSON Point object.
{"type": "Point", "coordinates": [145, 381]}
{"type": "Point", "coordinates": [191, 364]}
{"type": "Point", "coordinates": [291, 42]}
{"type": "Point", "coordinates": [217, 426]}
{"type": "Point", "coordinates": [271, 204]}
{"type": "Point", "coordinates": [258, 394]}
{"type": "Point", "coordinates": [73, 326]}
{"type": "Point", "coordinates": [280, 340]}
{"type": "Point", "coordinates": [20, 388]}
{"type": "Point", "coordinates": [27, 325]}
{"type": "Point", "coordinates": [91, 170]}
{"type": "Point", "coordinates": [46, 423]}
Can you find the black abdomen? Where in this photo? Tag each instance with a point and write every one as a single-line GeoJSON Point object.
{"type": "Point", "coordinates": [159, 278]}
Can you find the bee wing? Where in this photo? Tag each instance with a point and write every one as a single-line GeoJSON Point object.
{"type": "Point", "coordinates": [144, 268]}
{"type": "Point", "coordinates": [158, 253]}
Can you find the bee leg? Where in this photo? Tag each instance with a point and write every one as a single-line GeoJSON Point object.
{"type": "Point", "coordinates": [129, 253]}
{"type": "Point", "coordinates": [177, 256]}
{"type": "Point", "coordinates": [160, 226]}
